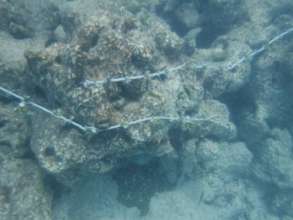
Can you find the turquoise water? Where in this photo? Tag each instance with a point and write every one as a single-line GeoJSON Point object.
{"type": "Point", "coordinates": [146, 110]}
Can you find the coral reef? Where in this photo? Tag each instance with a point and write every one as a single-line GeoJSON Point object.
{"type": "Point", "coordinates": [146, 110]}
{"type": "Point", "coordinates": [23, 194]}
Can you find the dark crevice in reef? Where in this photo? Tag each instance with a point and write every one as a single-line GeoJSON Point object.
{"type": "Point", "coordinates": [213, 19]}
{"type": "Point", "coordinates": [176, 138]}
{"type": "Point", "coordinates": [3, 122]}
{"type": "Point", "coordinates": [29, 154]}
{"type": "Point", "coordinates": [239, 102]}
{"type": "Point", "coordinates": [39, 92]}
{"type": "Point", "coordinates": [54, 187]}
{"type": "Point", "coordinates": [175, 24]}
{"type": "Point", "coordinates": [207, 36]}
{"type": "Point", "coordinates": [241, 105]}
{"type": "Point", "coordinates": [137, 184]}
{"type": "Point", "coordinates": [169, 16]}
{"type": "Point", "coordinates": [218, 19]}
{"type": "Point", "coordinates": [5, 100]}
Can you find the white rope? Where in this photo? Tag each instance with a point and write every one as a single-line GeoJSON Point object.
{"type": "Point", "coordinates": [256, 52]}
{"type": "Point", "coordinates": [229, 67]}
{"type": "Point", "coordinates": [24, 101]}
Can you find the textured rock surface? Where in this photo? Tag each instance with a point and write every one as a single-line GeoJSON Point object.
{"type": "Point", "coordinates": [22, 191]}
{"type": "Point", "coordinates": [98, 50]}
{"type": "Point", "coordinates": [236, 163]}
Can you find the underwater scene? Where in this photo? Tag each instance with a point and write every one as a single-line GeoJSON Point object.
{"type": "Point", "coordinates": [146, 109]}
